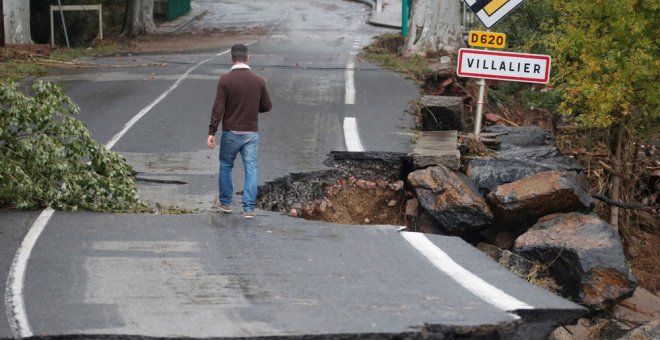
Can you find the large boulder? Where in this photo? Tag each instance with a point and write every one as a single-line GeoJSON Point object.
{"type": "Point", "coordinates": [523, 152]}
{"type": "Point", "coordinates": [451, 199]}
{"type": "Point", "coordinates": [584, 255]}
{"type": "Point", "coordinates": [521, 203]}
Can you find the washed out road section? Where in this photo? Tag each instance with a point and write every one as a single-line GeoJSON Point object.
{"type": "Point", "coordinates": [159, 276]}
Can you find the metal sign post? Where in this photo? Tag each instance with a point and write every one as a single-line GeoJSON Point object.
{"type": "Point", "coordinates": [480, 107]}
{"type": "Point", "coordinates": [484, 64]}
{"type": "Point", "coordinates": [404, 17]}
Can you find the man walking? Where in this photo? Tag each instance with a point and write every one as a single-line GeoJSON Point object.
{"type": "Point", "coordinates": [241, 96]}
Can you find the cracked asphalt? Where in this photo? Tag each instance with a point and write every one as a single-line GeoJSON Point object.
{"type": "Point", "coordinates": [215, 275]}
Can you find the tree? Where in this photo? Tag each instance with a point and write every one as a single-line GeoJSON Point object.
{"type": "Point", "coordinates": [17, 21]}
{"type": "Point", "coordinates": [605, 65]}
{"type": "Point", "coordinates": [139, 18]}
{"type": "Point", "coordinates": [435, 26]}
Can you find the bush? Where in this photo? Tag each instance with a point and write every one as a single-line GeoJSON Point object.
{"type": "Point", "coordinates": [48, 157]}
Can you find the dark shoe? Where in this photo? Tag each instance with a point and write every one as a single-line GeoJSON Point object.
{"type": "Point", "coordinates": [249, 214]}
{"type": "Point", "coordinates": [224, 208]}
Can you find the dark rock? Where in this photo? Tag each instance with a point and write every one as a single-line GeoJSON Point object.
{"type": "Point", "coordinates": [489, 173]}
{"type": "Point", "coordinates": [521, 137]}
{"type": "Point", "coordinates": [650, 331]}
{"type": "Point", "coordinates": [515, 263]}
{"type": "Point", "coordinates": [441, 113]}
{"type": "Point", "coordinates": [426, 224]}
{"type": "Point", "coordinates": [584, 255]}
{"type": "Point", "coordinates": [451, 199]}
{"type": "Point", "coordinates": [523, 151]}
{"type": "Point", "coordinates": [521, 203]}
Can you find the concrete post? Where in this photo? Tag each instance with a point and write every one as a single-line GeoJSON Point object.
{"type": "Point", "coordinates": [2, 24]}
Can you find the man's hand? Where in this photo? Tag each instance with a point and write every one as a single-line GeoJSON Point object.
{"type": "Point", "coordinates": [211, 142]}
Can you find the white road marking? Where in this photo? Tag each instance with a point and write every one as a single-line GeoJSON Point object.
{"type": "Point", "coordinates": [352, 135]}
{"type": "Point", "coordinates": [148, 108]}
{"type": "Point", "coordinates": [350, 81]}
{"type": "Point", "coordinates": [14, 302]}
{"type": "Point", "coordinates": [464, 277]}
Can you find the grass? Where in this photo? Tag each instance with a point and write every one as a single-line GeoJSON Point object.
{"type": "Point", "coordinates": [16, 70]}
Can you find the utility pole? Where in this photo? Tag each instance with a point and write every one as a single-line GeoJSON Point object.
{"type": "Point", "coordinates": [2, 23]}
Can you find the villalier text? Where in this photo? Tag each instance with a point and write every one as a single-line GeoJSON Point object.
{"type": "Point", "coordinates": [504, 66]}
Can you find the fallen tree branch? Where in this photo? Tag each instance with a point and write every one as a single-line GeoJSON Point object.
{"type": "Point", "coordinates": [633, 206]}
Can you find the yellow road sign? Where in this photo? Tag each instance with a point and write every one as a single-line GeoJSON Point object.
{"type": "Point", "coordinates": [487, 39]}
{"type": "Point", "coordinates": [491, 11]}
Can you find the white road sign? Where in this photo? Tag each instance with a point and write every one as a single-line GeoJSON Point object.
{"type": "Point", "coordinates": [490, 12]}
{"type": "Point", "coordinates": [523, 67]}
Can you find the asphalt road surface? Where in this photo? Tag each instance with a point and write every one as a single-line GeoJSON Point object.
{"type": "Point", "coordinates": [213, 275]}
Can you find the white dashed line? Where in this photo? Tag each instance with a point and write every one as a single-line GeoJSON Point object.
{"type": "Point", "coordinates": [350, 82]}
{"type": "Point", "coordinates": [352, 135]}
{"type": "Point", "coordinates": [464, 277]}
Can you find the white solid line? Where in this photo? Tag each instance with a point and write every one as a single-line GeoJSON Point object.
{"type": "Point", "coordinates": [464, 277]}
{"type": "Point", "coordinates": [148, 108]}
{"type": "Point", "coordinates": [350, 82]}
{"type": "Point", "coordinates": [352, 135]}
{"type": "Point", "coordinates": [14, 302]}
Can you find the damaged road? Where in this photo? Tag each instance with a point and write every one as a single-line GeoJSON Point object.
{"type": "Point", "coordinates": [219, 275]}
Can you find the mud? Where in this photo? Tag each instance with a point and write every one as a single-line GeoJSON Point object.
{"type": "Point", "coordinates": [196, 40]}
{"type": "Point", "coordinates": [357, 188]}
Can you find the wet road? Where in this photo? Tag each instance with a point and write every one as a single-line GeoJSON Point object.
{"type": "Point", "coordinates": [206, 274]}
{"type": "Point", "coordinates": [304, 57]}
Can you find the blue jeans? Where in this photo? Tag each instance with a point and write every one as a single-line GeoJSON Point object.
{"type": "Point", "coordinates": [248, 146]}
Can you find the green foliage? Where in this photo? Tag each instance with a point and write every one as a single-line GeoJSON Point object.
{"type": "Point", "coordinates": [48, 158]}
{"type": "Point", "coordinates": [526, 26]}
{"type": "Point", "coordinates": [16, 70]}
{"type": "Point", "coordinates": [605, 55]}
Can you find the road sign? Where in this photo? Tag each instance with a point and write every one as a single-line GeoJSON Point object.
{"type": "Point", "coordinates": [487, 39]}
{"type": "Point", "coordinates": [490, 12]}
{"type": "Point", "coordinates": [523, 67]}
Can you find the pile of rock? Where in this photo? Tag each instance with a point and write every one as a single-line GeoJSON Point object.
{"type": "Point", "coordinates": [529, 207]}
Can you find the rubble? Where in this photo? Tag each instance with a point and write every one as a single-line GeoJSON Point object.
{"type": "Point", "coordinates": [520, 204]}
{"type": "Point", "coordinates": [449, 197]}
{"type": "Point", "coordinates": [585, 257]}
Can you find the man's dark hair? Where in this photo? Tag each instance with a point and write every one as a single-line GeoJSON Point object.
{"type": "Point", "coordinates": [239, 52]}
